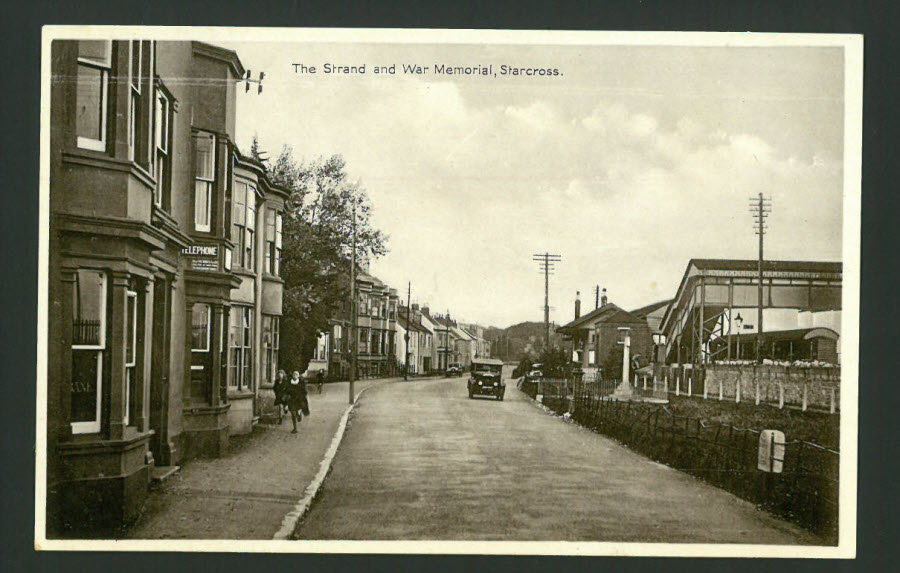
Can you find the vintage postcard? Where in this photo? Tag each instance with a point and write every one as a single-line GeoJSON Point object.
{"type": "Point", "coordinates": [449, 291]}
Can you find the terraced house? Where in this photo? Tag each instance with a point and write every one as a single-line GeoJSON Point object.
{"type": "Point", "coordinates": [164, 296]}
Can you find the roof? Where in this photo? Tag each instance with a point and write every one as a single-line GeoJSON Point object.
{"type": "Point", "coordinates": [409, 325]}
{"type": "Point", "coordinates": [230, 57]}
{"type": "Point", "coordinates": [751, 265]}
{"type": "Point", "coordinates": [650, 308]}
{"type": "Point", "coordinates": [786, 335]}
{"type": "Point", "coordinates": [742, 265]}
{"type": "Point", "coordinates": [488, 361]}
{"type": "Point", "coordinates": [601, 314]}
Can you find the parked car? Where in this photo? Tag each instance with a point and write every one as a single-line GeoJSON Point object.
{"type": "Point", "coordinates": [455, 369]}
{"type": "Point", "coordinates": [486, 378]}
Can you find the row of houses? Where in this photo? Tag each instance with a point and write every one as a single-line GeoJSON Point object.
{"type": "Point", "coordinates": [714, 317]}
{"type": "Point", "coordinates": [383, 323]}
{"type": "Point", "coordinates": [164, 294]}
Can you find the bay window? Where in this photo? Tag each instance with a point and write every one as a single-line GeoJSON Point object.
{"type": "Point", "coordinates": [243, 224]}
{"type": "Point", "coordinates": [88, 349]}
{"type": "Point", "coordinates": [161, 145]}
{"type": "Point", "coordinates": [130, 355]}
{"type": "Point", "coordinates": [92, 93]}
{"type": "Point", "coordinates": [204, 165]}
{"type": "Point", "coordinates": [273, 241]}
{"type": "Point", "coordinates": [240, 348]}
{"type": "Point", "coordinates": [270, 336]}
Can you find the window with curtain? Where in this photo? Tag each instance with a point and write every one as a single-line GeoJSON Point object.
{"type": "Point", "coordinates": [88, 349]}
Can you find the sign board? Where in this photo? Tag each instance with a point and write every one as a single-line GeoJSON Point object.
{"type": "Point", "coordinates": [771, 451]}
{"type": "Point", "coordinates": [202, 257]}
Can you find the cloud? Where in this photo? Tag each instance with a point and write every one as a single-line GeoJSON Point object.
{"type": "Point", "coordinates": [469, 184]}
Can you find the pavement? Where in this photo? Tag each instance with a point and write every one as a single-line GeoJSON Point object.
{"type": "Point", "coordinates": [247, 493]}
{"type": "Point", "coordinates": [422, 461]}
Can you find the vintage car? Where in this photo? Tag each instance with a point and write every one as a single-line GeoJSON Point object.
{"type": "Point", "coordinates": [455, 369]}
{"type": "Point", "coordinates": [487, 378]}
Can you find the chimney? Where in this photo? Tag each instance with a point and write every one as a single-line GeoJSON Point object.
{"type": "Point", "coordinates": [603, 298]}
{"type": "Point", "coordinates": [596, 297]}
{"type": "Point", "coordinates": [425, 310]}
{"type": "Point", "coordinates": [577, 304]}
{"type": "Point", "coordinates": [415, 307]}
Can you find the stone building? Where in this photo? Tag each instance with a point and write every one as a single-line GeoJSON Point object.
{"type": "Point", "coordinates": [143, 282]}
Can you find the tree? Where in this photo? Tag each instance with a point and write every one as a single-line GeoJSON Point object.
{"type": "Point", "coordinates": [317, 238]}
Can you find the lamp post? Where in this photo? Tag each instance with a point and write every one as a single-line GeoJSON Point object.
{"type": "Point", "coordinates": [739, 322]}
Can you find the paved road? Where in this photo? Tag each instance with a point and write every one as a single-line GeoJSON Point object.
{"type": "Point", "coordinates": [246, 493]}
{"type": "Point", "coordinates": [422, 461]}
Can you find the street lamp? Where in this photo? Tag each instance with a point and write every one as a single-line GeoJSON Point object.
{"type": "Point", "coordinates": [739, 322]}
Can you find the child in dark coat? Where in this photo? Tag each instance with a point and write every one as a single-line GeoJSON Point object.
{"type": "Point", "coordinates": [296, 398]}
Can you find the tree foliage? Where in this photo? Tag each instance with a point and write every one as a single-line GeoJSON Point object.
{"type": "Point", "coordinates": [317, 237]}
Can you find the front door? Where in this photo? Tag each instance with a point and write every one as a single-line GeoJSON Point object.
{"type": "Point", "coordinates": [159, 372]}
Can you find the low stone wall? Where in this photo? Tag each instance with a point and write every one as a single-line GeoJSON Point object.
{"type": "Point", "coordinates": [808, 388]}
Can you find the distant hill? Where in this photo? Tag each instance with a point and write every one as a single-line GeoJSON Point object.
{"type": "Point", "coordinates": [518, 340]}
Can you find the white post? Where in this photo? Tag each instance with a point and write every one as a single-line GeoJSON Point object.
{"type": "Point", "coordinates": [677, 386]}
{"type": "Point", "coordinates": [833, 405]}
{"type": "Point", "coordinates": [704, 388]}
{"type": "Point", "coordinates": [757, 391]}
{"type": "Point", "coordinates": [780, 395]}
{"type": "Point", "coordinates": [691, 383]}
{"type": "Point", "coordinates": [626, 358]}
{"type": "Point", "coordinates": [720, 389]}
{"type": "Point", "coordinates": [737, 393]}
{"type": "Point", "coordinates": [667, 384]}
{"type": "Point", "coordinates": [645, 382]}
{"type": "Point", "coordinates": [805, 391]}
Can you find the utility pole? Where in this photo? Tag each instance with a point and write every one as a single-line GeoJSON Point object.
{"type": "Point", "coordinates": [354, 345]}
{"type": "Point", "coordinates": [760, 207]}
{"type": "Point", "coordinates": [596, 297]}
{"type": "Point", "coordinates": [408, 326]}
{"type": "Point", "coordinates": [546, 263]}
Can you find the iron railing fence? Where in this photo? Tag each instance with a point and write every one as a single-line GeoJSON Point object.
{"type": "Point", "coordinates": [805, 492]}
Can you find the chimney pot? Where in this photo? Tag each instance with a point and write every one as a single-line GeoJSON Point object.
{"type": "Point", "coordinates": [577, 304]}
{"type": "Point", "coordinates": [603, 298]}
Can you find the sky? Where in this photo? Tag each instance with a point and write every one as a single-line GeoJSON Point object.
{"type": "Point", "coordinates": [632, 161]}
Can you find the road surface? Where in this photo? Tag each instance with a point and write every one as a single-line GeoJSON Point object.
{"type": "Point", "coordinates": [422, 461]}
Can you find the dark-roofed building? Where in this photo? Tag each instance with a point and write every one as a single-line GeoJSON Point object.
{"type": "Point", "coordinates": [596, 336]}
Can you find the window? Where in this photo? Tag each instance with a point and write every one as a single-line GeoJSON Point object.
{"type": "Point", "coordinates": [243, 223]}
{"type": "Point", "coordinates": [92, 93]}
{"type": "Point", "coordinates": [161, 136]}
{"type": "Point", "coordinates": [270, 341]}
{"type": "Point", "coordinates": [240, 347]}
{"type": "Point", "coordinates": [88, 346]}
{"type": "Point", "coordinates": [200, 328]}
{"type": "Point", "coordinates": [250, 229]}
{"type": "Point", "coordinates": [338, 338]}
{"type": "Point", "coordinates": [140, 104]}
{"type": "Point", "coordinates": [130, 356]}
{"type": "Point", "coordinates": [204, 164]}
{"type": "Point", "coordinates": [273, 241]}
{"type": "Point", "coordinates": [363, 340]}
{"type": "Point", "coordinates": [239, 219]}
